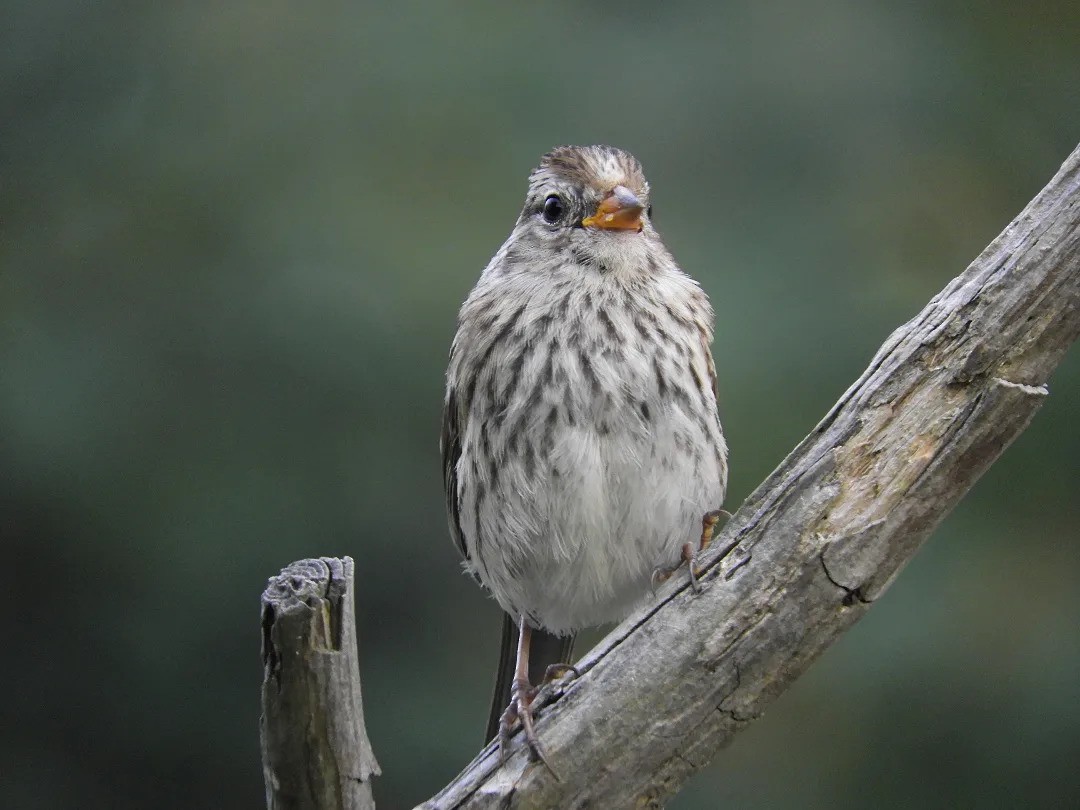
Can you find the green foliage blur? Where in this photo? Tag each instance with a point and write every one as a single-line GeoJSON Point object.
{"type": "Point", "coordinates": [233, 240]}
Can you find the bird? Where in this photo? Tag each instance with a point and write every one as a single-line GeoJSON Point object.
{"type": "Point", "coordinates": [583, 455]}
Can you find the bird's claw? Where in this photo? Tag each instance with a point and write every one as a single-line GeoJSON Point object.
{"type": "Point", "coordinates": [556, 671]}
{"type": "Point", "coordinates": [688, 556]}
{"type": "Point", "coordinates": [522, 695]}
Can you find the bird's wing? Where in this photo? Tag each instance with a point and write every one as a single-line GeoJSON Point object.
{"type": "Point", "coordinates": [450, 444]}
{"type": "Point", "coordinates": [710, 367]}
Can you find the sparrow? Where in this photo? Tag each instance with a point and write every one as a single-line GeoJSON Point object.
{"type": "Point", "coordinates": [583, 456]}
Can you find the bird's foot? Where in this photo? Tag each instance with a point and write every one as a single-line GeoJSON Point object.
{"type": "Point", "coordinates": [689, 556]}
{"type": "Point", "coordinates": [551, 687]}
{"type": "Point", "coordinates": [522, 695]}
{"type": "Point", "coordinates": [556, 671]}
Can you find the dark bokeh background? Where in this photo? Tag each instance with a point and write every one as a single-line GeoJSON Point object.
{"type": "Point", "coordinates": [234, 239]}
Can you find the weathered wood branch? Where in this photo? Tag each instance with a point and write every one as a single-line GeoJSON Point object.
{"type": "Point", "coordinates": [315, 750]}
{"type": "Point", "coordinates": [819, 540]}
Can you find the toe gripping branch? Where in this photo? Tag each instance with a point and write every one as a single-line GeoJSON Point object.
{"type": "Point", "coordinates": [522, 697]}
{"type": "Point", "coordinates": [689, 556]}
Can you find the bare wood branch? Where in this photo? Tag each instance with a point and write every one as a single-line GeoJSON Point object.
{"type": "Point", "coordinates": [819, 540]}
{"type": "Point", "coordinates": [315, 749]}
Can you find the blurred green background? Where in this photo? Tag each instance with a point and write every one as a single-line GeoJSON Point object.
{"type": "Point", "coordinates": [234, 240]}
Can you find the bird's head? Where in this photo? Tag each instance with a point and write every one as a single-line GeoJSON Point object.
{"type": "Point", "coordinates": [589, 205]}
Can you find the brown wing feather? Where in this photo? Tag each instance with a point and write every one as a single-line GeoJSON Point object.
{"type": "Point", "coordinates": [450, 444]}
{"type": "Point", "coordinates": [710, 366]}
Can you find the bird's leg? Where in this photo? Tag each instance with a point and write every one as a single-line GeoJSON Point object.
{"type": "Point", "coordinates": [708, 526]}
{"type": "Point", "coordinates": [689, 555]}
{"type": "Point", "coordinates": [521, 697]}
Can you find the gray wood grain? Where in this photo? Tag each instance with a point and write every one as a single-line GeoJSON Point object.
{"type": "Point", "coordinates": [823, 537]}
{"type": "Point", "coordinates": [315, 750]}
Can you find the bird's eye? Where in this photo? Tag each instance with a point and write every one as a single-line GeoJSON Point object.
{"type": "Point", "coordinates": [648, 211]}
{"type": "Point", "coordinates": [552, 210]}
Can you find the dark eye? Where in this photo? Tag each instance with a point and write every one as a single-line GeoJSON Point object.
{"type": "Point", "coordinates": [648, 211]}
{"type": "Point", "coordinates": [552, 210]}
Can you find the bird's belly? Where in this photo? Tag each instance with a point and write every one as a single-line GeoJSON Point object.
{"type": "Point", "coordinates": [572, 538]}
{"type": "Point", "coordinates": [621, 510]}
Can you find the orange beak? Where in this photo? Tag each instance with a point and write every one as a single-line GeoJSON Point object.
{"type": "Point", "coordinates": [620, 210]}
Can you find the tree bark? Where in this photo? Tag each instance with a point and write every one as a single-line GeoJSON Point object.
{"type": "Point", "coordinates": [315, 750]}
{"type": "Point", "coordinates": [822, 538]}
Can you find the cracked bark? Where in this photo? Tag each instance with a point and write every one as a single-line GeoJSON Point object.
{"type": "Point", "coordinates": [315, 750]}
{"type": "Point", "coordinates": [822, 538]}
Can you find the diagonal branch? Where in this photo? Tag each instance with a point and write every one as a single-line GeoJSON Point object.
{"type": "Point", "coordinates": [819, 540]}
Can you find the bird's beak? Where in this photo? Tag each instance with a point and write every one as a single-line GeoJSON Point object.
{"type": "Point", "coordinates": [620, 210]}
